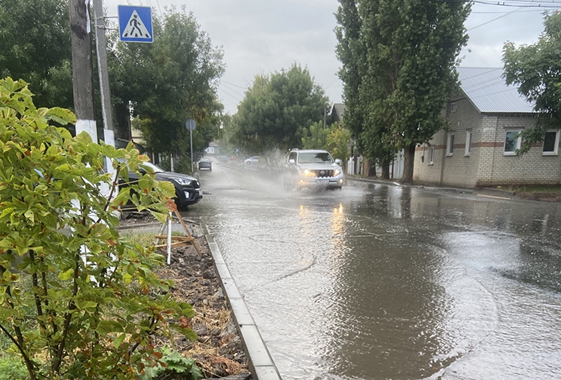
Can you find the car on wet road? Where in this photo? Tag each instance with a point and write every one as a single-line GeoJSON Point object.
{"type": "Point", "coordinates": [252, 160]}
{"type": "Point", "coordinates": [187, 188]}
{"type": "Point", "coordinates": [312, 168]}
{"type": "Point", "coordinates": [205, 163]}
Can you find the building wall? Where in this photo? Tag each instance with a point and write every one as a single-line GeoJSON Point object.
{"type": "Point", "coordinates": [486, 165]}
{"type": "Point", "coordinates": [457, 169]}
{"type": "Point", "coordinates": [532, 168]}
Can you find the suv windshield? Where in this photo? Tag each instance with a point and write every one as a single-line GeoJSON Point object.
{"type": "Point", "coordinates": [312, 158]}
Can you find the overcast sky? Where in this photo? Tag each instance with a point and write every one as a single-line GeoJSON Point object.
{"type": "Point", "coordinates": [266, 36]}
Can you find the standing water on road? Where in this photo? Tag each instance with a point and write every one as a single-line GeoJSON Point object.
{"type": "Point", "coordinates": [389, 282]}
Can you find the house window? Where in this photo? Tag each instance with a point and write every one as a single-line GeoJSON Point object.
{"type": "Point", "coordinates": [468, 144]}
{"type": "Point", "coordinates": [450, 145]}
{"type": "Point", "coordinates": [512, 142]}
{"type": "Point", "coordinates": [453, 107]}
{"type": "Point", "coordinates": [431, 155]}
{"type": "Point", "coordinates": [550, 142]}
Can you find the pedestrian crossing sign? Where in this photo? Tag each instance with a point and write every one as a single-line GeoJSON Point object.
{"type": "Point", "coordinates": [135, 24]}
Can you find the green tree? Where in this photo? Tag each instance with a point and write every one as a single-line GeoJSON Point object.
{"type": "Point", "coordinates": [76, 300]}
{"type": "Point", "coordinates": [405, 53]}
{"type": "Point", "coordinates": [338, 141]}
{"type": "Point", "coordinates": [537, 69]}
{"type": "Point", "coordinates": [315, 137]}
{"type": "Point", "coordinates": [168, 82]}
{"type": "Point", "coordinates": [35, 47]}
{"type": "Point", "coordinates": [277, 108]}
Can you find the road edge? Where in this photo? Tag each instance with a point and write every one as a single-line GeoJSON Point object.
{"type": "Point", "coordinates": [261, 363]}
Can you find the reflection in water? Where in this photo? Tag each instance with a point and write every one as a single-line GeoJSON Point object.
{"type": "Point", "coordinates": [387, 304]}
{"type": "Point", "coordinates": [378, 282]}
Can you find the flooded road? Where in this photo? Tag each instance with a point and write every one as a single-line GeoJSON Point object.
{"type": "Point", "coordinates": [387, 282]}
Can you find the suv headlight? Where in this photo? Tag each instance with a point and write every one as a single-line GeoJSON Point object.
{"type": "Point", "coordinates": [183, 181]}
{"type": "Point", "coordinates": [336, 172]}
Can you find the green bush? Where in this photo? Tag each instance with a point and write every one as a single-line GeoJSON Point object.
{"type": "Point", "coordinates": [77, 301]}
{"type": "Point", "coordinates": [11, 369]}
{"type": "Point", "coordinates": [172, 366]}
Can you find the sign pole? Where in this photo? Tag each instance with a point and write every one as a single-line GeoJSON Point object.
{"type": "Point", "coordinates": [191, 125]}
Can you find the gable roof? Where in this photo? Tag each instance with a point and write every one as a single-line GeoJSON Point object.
{"type": "Point", "coordinates": [489, 93]}
{"type": "Point", "coordinates": [337, 111]}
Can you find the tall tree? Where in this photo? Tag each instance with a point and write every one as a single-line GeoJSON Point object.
{"type": "Point", "coordinates": [338, 141]}
{"type": "Point", "coordinates": [277, 108]}
{"type": "Point", "coordinates": [35, 47]}
{"type": "Point", "coordinates": [537, 69]}
{"type": "Point", "coordinates": [315, 137]}
{"type": "Point", "coordinates": [406, 52]}
{"type": "Point", "coordinates": [168, 82]}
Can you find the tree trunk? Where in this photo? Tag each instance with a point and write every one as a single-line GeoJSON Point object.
{"type": "Point", "coordinates": [386, 169]}
{"type": "Point", "coordinates": [408, 163]}
{"type": "Point", "coordinates": [372, 170]}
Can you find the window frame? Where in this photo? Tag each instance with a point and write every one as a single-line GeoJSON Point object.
{"type": "Point", "coordinates": [450, 144]}
{"type": "Point", "coordinates": [469, 137]}
{"type": "Point", "coordinates": [517, 142]}
{"type": "Point", "coordinates": [555, 150]}
{"type": "Point", "coordinates": [431, 156]}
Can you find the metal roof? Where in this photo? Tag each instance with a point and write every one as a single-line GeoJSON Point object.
{"type": "Point", "coordinates": [488, 91]}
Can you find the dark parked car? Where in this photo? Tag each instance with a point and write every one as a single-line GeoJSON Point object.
{"type": "Point", "coordinates": [205, 163]}
{"type": "Point", "coordinates": [187, 189]}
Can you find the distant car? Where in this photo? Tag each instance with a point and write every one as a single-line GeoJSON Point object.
{"type": "Point", "coordinates": [252, 160]}
{"type": "Point", "coordinates": [205, 163]}
{"type": "Point", "coordinates": [312, 168]}
{"type": "Point", "coordinates": [187, 189]}
{"type": "Point", "coordinates": [224, 158]}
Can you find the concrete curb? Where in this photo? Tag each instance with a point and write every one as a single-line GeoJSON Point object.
{"type": "Point", "coordinates": [261, 363]}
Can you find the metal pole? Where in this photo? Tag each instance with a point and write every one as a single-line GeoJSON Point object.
{"type": "Point", "coordinates": [191, 143]}
{"type": "Point", "coordinates": [101, 50]}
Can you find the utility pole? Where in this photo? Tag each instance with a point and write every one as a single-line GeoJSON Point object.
{"type": "Point", "coordinates": [82, 71]}
{"type": "Point", "coordinates": [101, 49]}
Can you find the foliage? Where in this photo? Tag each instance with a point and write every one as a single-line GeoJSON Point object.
{"type": "Point", "coordinates": [12, 369]}
{"type": "Point", "coordinates": [35, 47]}
{"type": "Point", "coordinates": [277, 108]}
{"type": "Point", "coordinates": [174, 80]}
{"type": "Point", "coordinates": [315, 137]}
{"type": "Point", "coordinates": [334, 139]}
{"type": "Point", "coordinates": [338, 142]}
{"type": "Point", "coordinates": [537, 68]}
{"type": "Point", "coordinates": [94, 301]}
{"type": "Point", "coordinates": [172, 364]}
{"type": "Point", "coordinates": [181, 165]}
{"type": "Point", "coordinates": [398, 69]}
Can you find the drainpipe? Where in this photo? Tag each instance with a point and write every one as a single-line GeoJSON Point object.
{"type": "Point", "coordinates": [443, 159]}
{"type": "Point", "coordinates": [494, 148]}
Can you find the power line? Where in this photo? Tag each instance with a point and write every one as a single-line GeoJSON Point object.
{"type": "Point", "coordinates": [527, 4]}
{"type": "Point", "coordinates": [495, 19]}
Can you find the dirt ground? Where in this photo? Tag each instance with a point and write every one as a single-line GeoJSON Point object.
{"type": "Point", "coordinates": [219, 350]}
{"type": "Point", "coordinates": [539, 196]}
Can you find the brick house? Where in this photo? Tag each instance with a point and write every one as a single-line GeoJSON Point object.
{"type": "Point", "coordinates": [479, 150]}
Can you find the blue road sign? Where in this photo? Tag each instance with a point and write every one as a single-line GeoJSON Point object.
{"type": "Point", "coordinates": [135, 24]}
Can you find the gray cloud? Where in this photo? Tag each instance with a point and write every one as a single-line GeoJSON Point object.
{"type": "Point", "coordinates": [264, 36]}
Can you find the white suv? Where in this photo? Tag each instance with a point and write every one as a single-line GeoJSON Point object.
{"type": "Point", "coordinates": [313, 168]}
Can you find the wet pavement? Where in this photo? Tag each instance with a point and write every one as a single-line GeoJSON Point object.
{"type": "Point", "coordinates": [387, 282]}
